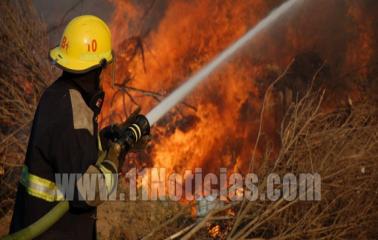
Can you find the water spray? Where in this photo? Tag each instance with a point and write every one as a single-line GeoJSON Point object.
{"type": "Point", "coordinates": [180, 93]}
{"type": "Point", "coordinates": [49, 219]}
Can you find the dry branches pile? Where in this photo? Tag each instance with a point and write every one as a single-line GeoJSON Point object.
{"type": "Point", "coordinates": [341, 146]}
{"type": "Point", "coordinates": [24, 74]}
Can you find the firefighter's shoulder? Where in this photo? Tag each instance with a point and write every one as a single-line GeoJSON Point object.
{"type": "Point", "coordinates": [55, 101]}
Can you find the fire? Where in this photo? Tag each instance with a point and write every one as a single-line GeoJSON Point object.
{"type": "Point", "coordinates": [159, 45]}
{"type": "Point", "coordinates": [360, 50]}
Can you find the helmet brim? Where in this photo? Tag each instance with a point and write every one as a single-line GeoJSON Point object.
{"type": "Point", "coordinates": [64, 62]}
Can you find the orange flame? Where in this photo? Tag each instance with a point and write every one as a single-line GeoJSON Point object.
{"type": "Point", "coordinates": [160, 44]}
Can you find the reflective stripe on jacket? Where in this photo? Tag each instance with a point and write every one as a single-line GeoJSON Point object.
{"type": "Point", "coordinates": [40, 187]}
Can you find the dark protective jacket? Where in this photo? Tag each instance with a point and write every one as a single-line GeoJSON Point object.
{"type": "Point", "coordinates": [63, 140]}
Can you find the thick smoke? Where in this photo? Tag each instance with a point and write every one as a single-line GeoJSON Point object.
{"type": "Point", "coordinates": [342, 33]}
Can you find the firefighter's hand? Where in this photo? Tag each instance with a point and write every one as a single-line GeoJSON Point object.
{"type": "Point", "coordinates": [113, 132]}
{"type": "Point", "coordinates": [114, 155]}
{"type": "Point", "coordinates": [133, 134]}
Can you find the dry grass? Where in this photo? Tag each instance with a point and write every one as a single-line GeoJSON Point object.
{"type": "Point", "coordinates": [342, 146]}
{"type": "Point", "coordinates": [24, 73]}
{"type": "Point", "coordinates": [133, 220]}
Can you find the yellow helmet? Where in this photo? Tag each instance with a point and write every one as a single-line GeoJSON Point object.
{"type": "Point", "coordinates": [85, 45]}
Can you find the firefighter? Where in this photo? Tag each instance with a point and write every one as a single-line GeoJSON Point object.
{"type": "Point", "coordinates": [65, 136]}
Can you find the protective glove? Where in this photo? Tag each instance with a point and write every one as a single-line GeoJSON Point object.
{"type": "Point", "coordinates": [132, 135]}
{"type": "Point", "coordinates": [114, 131]}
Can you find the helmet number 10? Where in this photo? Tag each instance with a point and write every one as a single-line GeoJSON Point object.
{"type": "Point", "coordinates": [92, 47]}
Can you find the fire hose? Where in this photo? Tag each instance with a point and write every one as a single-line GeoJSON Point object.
{"type": "Point", "coordinates": [160, 110]}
